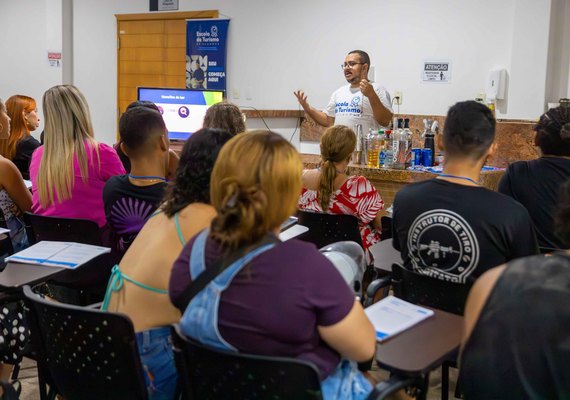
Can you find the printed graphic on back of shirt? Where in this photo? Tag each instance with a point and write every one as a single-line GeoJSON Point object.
{"type": "Point", "coordinates": [128, 215]}
{"type": "Point", "coordinates": [443, 245]}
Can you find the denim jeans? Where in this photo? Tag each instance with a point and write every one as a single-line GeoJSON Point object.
{"type": "Point", "coordinates": [157, 359]}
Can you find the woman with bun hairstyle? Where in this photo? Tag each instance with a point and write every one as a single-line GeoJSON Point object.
{"type": "Point", "coordinates": [254, 188]}
{"type": "Point", "coordinates": [330, 190]}
{"type": "Point", "coordinates": [20, 146]}
{"type": "Point", "coordinates": [536, 183]}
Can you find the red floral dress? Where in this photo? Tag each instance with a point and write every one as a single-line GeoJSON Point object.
{"type": "Point", "coordinates": [358, 197]}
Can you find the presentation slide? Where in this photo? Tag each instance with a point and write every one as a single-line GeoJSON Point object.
{"type": "Point", "coordinates": [183, 110]}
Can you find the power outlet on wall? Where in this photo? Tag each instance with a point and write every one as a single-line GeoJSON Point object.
{"type": "Point", "coordinates": [398, 97]}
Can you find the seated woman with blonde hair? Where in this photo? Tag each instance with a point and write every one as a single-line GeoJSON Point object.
{"type": "Point", "coordinates": [270, 300]}
{"type": "Point", "coordinates": [329, 189]}
{"type": "Point", "coordinates": [138, 285]}
{"type": "Point", "coordinates": [69, 171]}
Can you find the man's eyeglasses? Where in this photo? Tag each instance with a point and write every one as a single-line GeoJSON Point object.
{"type": "Point", "coordinates": [349, 64]}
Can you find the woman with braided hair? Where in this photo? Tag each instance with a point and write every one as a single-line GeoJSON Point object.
{"type": "Point", "coordinates": [536, 183]}
{"type": "Point", "coordinates": [329, 189]}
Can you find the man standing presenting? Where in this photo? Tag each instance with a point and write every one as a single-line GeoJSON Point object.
{"type": "Point", "coordinates": [359, 102]}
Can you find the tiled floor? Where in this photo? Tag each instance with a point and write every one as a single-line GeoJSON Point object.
{"type": "Point", "coordinates": [29, 380]}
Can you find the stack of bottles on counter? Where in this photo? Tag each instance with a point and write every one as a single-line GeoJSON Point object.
{"type": "Point", "coordinates": [388, 148]}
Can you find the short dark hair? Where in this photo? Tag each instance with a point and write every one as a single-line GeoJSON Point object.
{"type": "Point", "coordinates": [143, 103]}
{"type": "Point", "coordinates": [191, 183]}
{"type": "Point", "coordinates": [469, 130]}
{"type": "Point", "coordinates": [562, 215]}
{"type": "Point", "coordinates": [553, 132]}
{"type": "Point", "coordinates": [364, 57]}
{"type": "Point", "coordinates": [138, 126]}
{"type": "Point", "coordinates": [226, 116]}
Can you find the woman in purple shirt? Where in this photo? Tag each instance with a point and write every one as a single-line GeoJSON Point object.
{"type": "Point", "coordinates": [284, 298]}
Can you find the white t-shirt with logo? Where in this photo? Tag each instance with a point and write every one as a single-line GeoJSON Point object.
{"type": "Point", "coordinates": [348, 106]}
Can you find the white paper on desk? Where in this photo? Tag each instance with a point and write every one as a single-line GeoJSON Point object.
{"type": "Point", "coordinates": [4, 230]}
{"type": "Point", "coordinates": [58, 254]}
{"type": "Point", "coordinates": [392, 315]}
{"type": "Point", "coordinates": [292, 232]}
{"type": "Point", "coordinates": [28, 184]}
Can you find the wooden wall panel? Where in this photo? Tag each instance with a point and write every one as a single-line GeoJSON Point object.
{"type": "Point", "coordinates": [152, 52]}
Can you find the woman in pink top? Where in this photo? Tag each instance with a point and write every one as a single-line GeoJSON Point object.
{"type": "Point", "coordinates": [69, 171]}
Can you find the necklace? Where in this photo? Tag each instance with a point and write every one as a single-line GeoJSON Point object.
{"type": "Point", "coordinates": [465, 178]}
{"type": "Point", "coordinates": [148, 178]}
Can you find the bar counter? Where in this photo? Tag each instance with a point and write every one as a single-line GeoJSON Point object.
{"type": "Point", "coordinates": [389, 181]}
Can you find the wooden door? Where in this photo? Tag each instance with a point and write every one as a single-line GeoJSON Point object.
{"type": "Point", "coordinates": [151, 51]}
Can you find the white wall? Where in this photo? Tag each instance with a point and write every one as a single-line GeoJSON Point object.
{"type": "Point", "coordinates": [277, 47]}
{"type": "Point", "coordinates": [558, 75]}
{"type": "Point", "coordinates": [28, 30]}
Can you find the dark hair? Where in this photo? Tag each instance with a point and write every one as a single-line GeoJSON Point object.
{"type": "Point", "coordinates": [562, 215]}
{"type": "Point", "coordinates": [138, 126]}
{"type": "Point", "coordinates": [143, 103]}
{"type": "Point", "coordinates": [191, 183]}
{"type": "Point", "coordinates": [364, 57]}
{"type": "Point", "coordinates": [469, 130]}
{"type": "Point", "coordinates": [553, 132]}
{"type": "Point", "coordinates": [226, 116]}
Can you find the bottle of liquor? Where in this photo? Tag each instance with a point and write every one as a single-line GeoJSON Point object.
{"type": "Point", "coordinates": [399, 146]}
{"type": "Point", "coordinates": [407, 138]}
{"type": "Point", "coordinates": [372, 148]}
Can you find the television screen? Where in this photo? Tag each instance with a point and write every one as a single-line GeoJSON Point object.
{"type": "Point", "coordinates": [183, 110]}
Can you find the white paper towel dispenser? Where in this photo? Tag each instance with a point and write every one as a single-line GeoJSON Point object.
{"type": "Point", "coordinates": [496, 83]}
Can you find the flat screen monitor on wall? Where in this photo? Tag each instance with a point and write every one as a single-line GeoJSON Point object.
{"type": "Point", "coordinates": [183, 110]}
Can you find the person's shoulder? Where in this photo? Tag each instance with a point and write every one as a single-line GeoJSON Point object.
{"type": "Point", "coordinates": [342, 89]}
{"type": "Point", "coordinates": [416, 187]}
{"type": "Point", "coordinates": [504, 205]}
{"type": "Point", "coordinates": [359, 184]}
{"type": "Point", "coordinates": [105, 149]}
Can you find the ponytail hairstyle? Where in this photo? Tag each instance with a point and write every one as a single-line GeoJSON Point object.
{"type": "Point", "coordinates": [16, 106]}
{"type": "Point", "coordinates": [553, 132]}
{"type": "Point", "coordinates": [254, 187]}
{"type": "Point", "coordinates": [68, 133]}
{"type": "Point", "coordinates": [337, 144]}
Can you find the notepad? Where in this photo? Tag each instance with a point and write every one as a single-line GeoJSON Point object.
{"type": "Point", "coordinates": [58, 254]}
{"type": "Point", "coordinates": [4, 230]}
{"type": "Point", "coordinates": [392, 315]}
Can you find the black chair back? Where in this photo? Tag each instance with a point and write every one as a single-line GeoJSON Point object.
{"type": "Point", "coordinates": [58, 229]}
{"type": "Point", "coordinates": [431, 292]}
{"type": "Point", "coordinates": [6, 248]}
{"type": "Point", "coordinates": [210, 374]}
{"type": "Point", "coordinates": [87, 353]}
{"type": "Point", "coordinates": [325, 228]}
{"type": "Point", "coordinates": [386, 224]}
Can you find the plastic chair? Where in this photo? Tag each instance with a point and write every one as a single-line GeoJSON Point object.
{"type": "Point", "coordinates": [427, 291]}
{"type": "Point", "coordinates": [89, 282]}
{"type": "Point", "coordinates": [58, 229]}
{"type": "Point", "coordinates": [212, 374]}
{"type": "Point", "coordinates": [85, 353]}
{"type": "Point", "coordinates": [325, 228]}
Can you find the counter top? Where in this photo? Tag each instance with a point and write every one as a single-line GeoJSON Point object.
{"type": "Point", "coordinates": [489, 179]}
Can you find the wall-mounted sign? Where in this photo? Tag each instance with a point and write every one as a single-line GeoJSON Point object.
{"type": "Point", "coordinates": [206, 54]}
{"type": "Point", "coordinates": [436, 71]}
{"type": "Point", "coordinates": [54, 59]}
{"type": "Point", "coordinates": [163, 5]}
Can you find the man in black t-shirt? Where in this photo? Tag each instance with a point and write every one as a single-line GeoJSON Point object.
{"type": "Point", "coordinates": [451, 228]}
{"type": "Point", "coordinates": [131, 199]}
{"type": "Point", "coordinates": [536, 183]}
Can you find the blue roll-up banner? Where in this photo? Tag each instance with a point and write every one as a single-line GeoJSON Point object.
{"type": "Point", "coordinates": [206, 54]}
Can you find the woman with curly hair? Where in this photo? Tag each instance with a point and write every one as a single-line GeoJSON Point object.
{"type": "Point", "coordinates": [138, 285]}
{"type": "Point", "coordinates": [226, 116]}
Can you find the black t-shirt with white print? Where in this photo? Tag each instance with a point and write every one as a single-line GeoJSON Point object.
{"type": "Point", "coordinates": [456, 232]}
